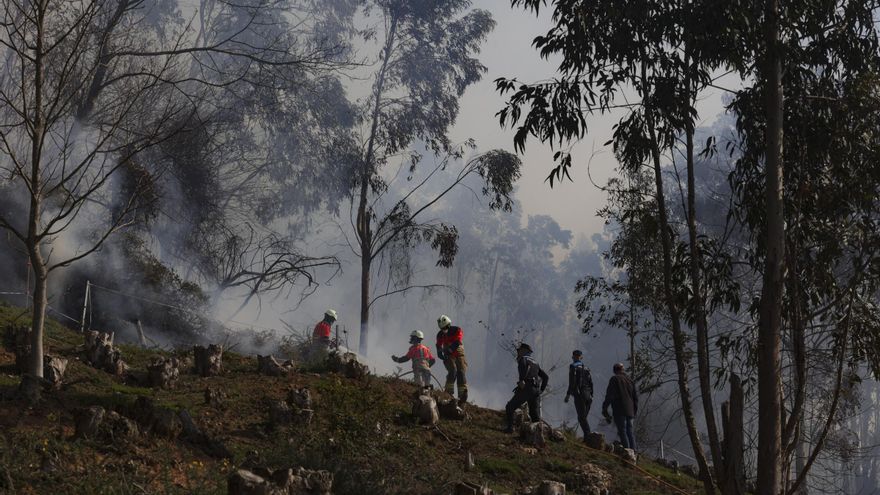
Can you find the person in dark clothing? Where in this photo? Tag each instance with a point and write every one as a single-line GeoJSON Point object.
{"type": "Point", "coordinates": [580, 386]}
{"type": "Point", "coordinates": [532, 382]}
{"type": "Point", "coordinates": [621, 395]}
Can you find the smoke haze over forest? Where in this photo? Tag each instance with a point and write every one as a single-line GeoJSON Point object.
{"type": "Point", "coordinates": [225, 172]}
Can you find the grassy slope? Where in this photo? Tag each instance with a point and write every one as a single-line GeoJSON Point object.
{"type": "Point", "coordinates": [361, 432]}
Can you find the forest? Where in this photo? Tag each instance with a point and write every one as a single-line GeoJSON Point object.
{"type": "Point", "coordinates": [184, 172]}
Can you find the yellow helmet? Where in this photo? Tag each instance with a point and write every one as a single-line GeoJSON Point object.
{"type": "Point", "coordinates": [331, 314]}
{"type": "Point", "coordinates": [443, 321]}
{"type": "Point", "coordinates": [417, 334]}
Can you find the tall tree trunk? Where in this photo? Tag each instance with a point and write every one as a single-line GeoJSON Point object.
{"type": "Point", "coordinates": [701, 323]}
{"type": "Point", "coordinates": [678, 336]}
{"type": "Point", "coordinates": [732, 412]}
{"type": "Point", "coordinates": [770, 311]}
{"type": "Point", "coordinates": [30, 383]}
{"type": "Point", "coordinates": [364, 229]}
{"type": "Point", "coordinates": [365, 304]}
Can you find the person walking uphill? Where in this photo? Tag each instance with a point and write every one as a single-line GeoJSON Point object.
{"type": "Point", "coordinates": [421, 357]}
{"type": "Point", "coordinates": [580, 386]}
{"type": "Point", "coordinates": [450, 349]}
{"type": "Point", "coordinates": [532, 382]}
{"type": "Point", "coordinates": [621, 395]}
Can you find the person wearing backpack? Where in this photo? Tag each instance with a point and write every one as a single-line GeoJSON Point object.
{"type": "Point", "coordinates": [580, 386]}
{"type": "Point", "coordinates": [531, 384]}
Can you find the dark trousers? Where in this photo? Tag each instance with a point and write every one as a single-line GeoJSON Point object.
{"type": "Point", "coordinates": [582, 406]}
{"type": "Point", "coordinates": [625, 431]}
{"type": "Point", "coordinates": [530, 395]}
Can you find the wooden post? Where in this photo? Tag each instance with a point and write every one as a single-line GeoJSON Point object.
{"type": "Point", "coordinates": [86, 301]}
{"type": "Point", "coordinates": [141, 338]}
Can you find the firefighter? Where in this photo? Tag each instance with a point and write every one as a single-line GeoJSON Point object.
{"type": "Point", "coordinates": [580, 386]}
{"type": "Point", "coordinates": [531, 384]}
{"type": "Point", "coordinates": [422, 359]}
{"type": "Point", "coordinates": [450, 349]}
{"type": "Point", "coordinates": [322, 332]}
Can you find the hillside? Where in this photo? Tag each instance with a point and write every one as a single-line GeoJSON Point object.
{"type": "Point", "coordinates": [361, 431]}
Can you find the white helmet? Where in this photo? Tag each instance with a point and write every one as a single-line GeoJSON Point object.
{"type": "Point", "coordinates": [443, 321]}
{"type": "Point", "coordinates": [330, 313]}
{"type": "Point", "coordinates": [417, 334]}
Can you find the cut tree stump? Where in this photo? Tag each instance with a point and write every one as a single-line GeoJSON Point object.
{"type": "Point", "coordinates": [163, 372]}
{"type": "Point", "coordinates": [101, 353]}
{"type": "Point", "coordinates": [208, 360]}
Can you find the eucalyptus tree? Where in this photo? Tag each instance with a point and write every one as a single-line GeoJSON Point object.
{"type": "Point", "coordinates": [665, 52]}
{"type": "Point", "coordinates": [427, 58]}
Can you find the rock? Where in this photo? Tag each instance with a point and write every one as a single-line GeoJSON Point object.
{"type": "Point", "coordinates": [88, 421]}
{"type": "Point", "coordinates": [468, 488]}
{"type": "Point", "coordinates": [449, 409]}
{"type": "Point", "coordinates": [591, 479]}
{"type": "Point", "coordinates": [300, 398]}
{"type": "Point", "coordinates": [595, 440]}
{"type": "Point", "coordinates": [163, 372]}
{"type": "Point", "coordinates": [556, 435]}
{"type": "Point", "coordinates": [550, 488]}
{"type": "Point", "coordinates": [281, 481]}
{"type": "Point", "coordinates": [101, 353]}
{"type": "Point", "coordinates": [208, 360]}
{"type": "Point", "coordinates": [268, 365]}
{"type": "Point", "coordinates": [53, 370]}
{"type": "Point", "coordinates": [215, 397]}
{"type": "Point", "coordinates": [280, 414]}
{"type": "Point", "coordinates": [424, 407]}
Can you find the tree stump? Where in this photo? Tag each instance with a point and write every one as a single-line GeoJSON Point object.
{"type": "Point", "coordinates": [163, 372]}
{"type": "Point", "coordinates": [208, 360]}
{"type": "Point", "coordinates": [215, 397]}
{"type": "Point", "coordinates": [550, 488]}
{"type": "Point", "coordinates": [595, 440]}
{"type": "Point", "coordinates": [533, 434]}
{"type": "Point", "coordinates": [449, 409]}
{"type": "Point", "coordinates": [53, 370]}
{"type": "Point", "coordinates": [101, 353]}
{"type": "Point", "coordinates": [300, 398]}
{"type": "Point", "coordinates": [424, 408]}
{"type": "Point", "coordinates": [280, 414]}
{"type": "Point", "coordinates": [268, 365]}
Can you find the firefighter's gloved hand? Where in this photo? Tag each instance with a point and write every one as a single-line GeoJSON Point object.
{"type": "Point", "coordinates": [566, 399]}
{"type": "Point", "coordinates": [441, 355]}
{"type": "Point", "coordinates": [394, 358]}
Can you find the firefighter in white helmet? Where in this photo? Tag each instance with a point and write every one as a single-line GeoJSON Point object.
{"type": "Point", "coordinates": [450, 348]}
{"type": "Point", "coordinates": [421, 357]}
